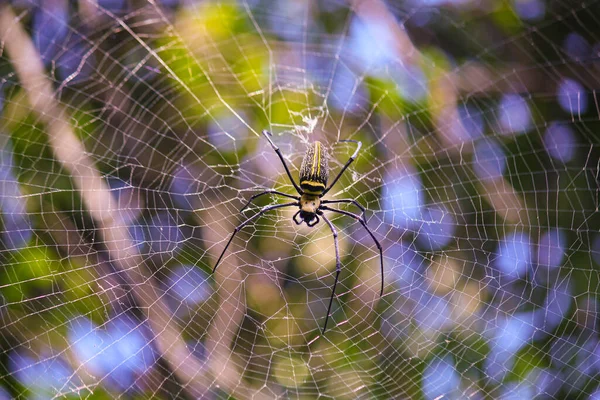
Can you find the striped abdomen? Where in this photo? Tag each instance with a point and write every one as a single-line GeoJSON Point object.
{"type": "Point", "coordinates": [314, 170]}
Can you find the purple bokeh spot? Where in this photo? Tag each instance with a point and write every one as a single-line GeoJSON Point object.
{"type": "Point", "coordinates": [49, 29]}
{"type": "Point", "coordinates": [225, 131]}
{"type": "Point", "coordinates": [120, 352]}
{"type": "Point", "coordinates": [596, 249]}
{"type": "Point", "coordinates": [46, 377]}
{"type": "Point", "coordinates": [371, 43]}
{"type": "Point", "coordinates": [514, 255]}
{"type": "Point", "coordinates": [411, 82]}
{"type": "Point", "coordinates": [284, 20]}
{"type": "Point", "coordinates": [560, 142]}
{"type": "Point", "coordinates": [489, 159]}
{"type": "Point", "coordinates": [76, 62]}
{"type": "Point", "coordinates": [576, 47]}
{"type": "Point", "coordinates": [164, 233]}
{"type": "Point", "coordinates": [138, 237]}
{"type": "Point", "coordinates": [530, 10]}
{"type": "Point", "coordinates": [572, 97]}
{"type": "Point", "coordinates": [17, 228]}
{"type": "Point", "coordinates": [130, 340]}
{"type": "Point", "coordinates": [472, 121]}
{"type": "Point", "coordinates": [551, 249]}
{"type": "Point", "coordinates": [90, 345]}
{"type": "Point", "coordinates": [595, 395]}
{"type": "Point", "coordinates": [436, 230]}
{"type": "Point", "coordinates": [190, 284]}
{"type": "Point", "coordinates": [432, 313]}
{"type": "Point", "coordinates": [186, 187]}
{"type": "Point", "coordinates": [405, 267]}
{"type": "Point", "coordinates": [402, 199]}
{"type": "Point", "coordinates": [113, 6]}
{"type": "Point", "coordinates": [510, 335]}
{"type": "Point", "coordinates": [514, 114]}
{"type": "Point", "coordinates": [346, 92]}
{"type": "Point", "coordinates": [441, 379]}
{"type": "Point", "coordinates": [554, 310]}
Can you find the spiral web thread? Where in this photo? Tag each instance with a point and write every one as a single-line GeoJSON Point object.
{"type": "Point", "coordinates": [130, 136]}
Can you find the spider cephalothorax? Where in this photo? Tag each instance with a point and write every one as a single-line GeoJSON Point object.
{"type": "Point", "coordinates": [314, 173]}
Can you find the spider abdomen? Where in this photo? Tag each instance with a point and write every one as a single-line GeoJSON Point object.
{"type": "Point", "coordinates": [314, 171]}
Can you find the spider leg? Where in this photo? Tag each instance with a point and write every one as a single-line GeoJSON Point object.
{"type": "Point", "coordinates": [240, 226]}
{"type": "Point", "coordinates": [287, 170]}
{"type": "Point", "coordinates": [267, 192]}
{"type": "Point", "coordinates": [364, 224]}
{"type": "Point", "coordinates": [338, 268]}
{"type": "Point", "coordinates": [356, 203]}
{"type": "Point", "coordinates": [316, 221]}
{"type": "Point", "coordinates": [298, 222]}
{"type": "Point", "coordinates": [352, 157]}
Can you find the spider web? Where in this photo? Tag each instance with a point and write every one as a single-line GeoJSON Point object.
{"type": "Point", "coordinates": [131, 139]}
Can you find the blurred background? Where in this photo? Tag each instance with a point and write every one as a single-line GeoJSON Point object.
{"type": "Point", "coordinates": [130, 138]}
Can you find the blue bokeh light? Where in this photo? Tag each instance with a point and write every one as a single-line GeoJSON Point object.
{"type": "Point", "coordinates": [49, 30]}
{"type": "Point", "coordinates": [576, 47]}
{"type": "Point", "coordinates": [595, 249]}
{"type": "Point", "coordinates": [551, 248]}
{"type": "Point", "coordinates": [514, 114]}
{"type": "Point", "coordinates": [189, 284]}
{"type": "Point", "coordinates": [17, 228]}
{"type": "Point", "coordinates": [405, 267]}
{"type": "Point", "coordinates": [137, 233]}
{"type": "Point", "coordinates": [411, 82]}
{"type": "Point", "coordinates": [514, 255]}
{"type": "Point", "coordinates": [44, 377]}
{"type": "Point", "coordinates": [120, 352]}
{"type": "Point", "coordinates": [432, 313]}
{"type": "Point", "coordinates": [76, 62]}
{"type": "Point", "coordinates": [346, 92]}
{"type": "Point", "coordinates": [186, 187]}
{"type": "Point", "coordinates": [225, 131]}
{"type": "Point", "coordinates": [555, 309]}
{"type": "Point", "coordinates": [440, 379]}
{"type": "Point", "coordinates": [284, 20]}
{"type": "Point", "coordinates": [572, 97]}
{"type": "Point", "coordinates": [371, 43]}
{"type": "Point", "coordinates": [402, 199]}
{"type": "Point", "coordinates": [165, 234]}
{"type": "Point", "coordinates": [136, 355]}
{"type": "Point", "coordinates": [489, 161]}
{"type": "Point", "coordinates": [472, 120]}
{"type": "Point", "coordinates": [507, 338]}
{"type": "Point", "coordinates": [436, 230]}
{"type": "Point", "coordinates": [530, 10]}
{"type": "Point", "coordinates": [560, 142]}
{"type": "Point", "coordinates": [113, 6]}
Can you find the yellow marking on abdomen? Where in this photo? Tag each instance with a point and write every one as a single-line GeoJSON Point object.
{"type": "Point", "coordinates": [319, 158]}
{"type": "Point", "coordinates": [315, 149]}
{"type": "Point", "coordinates": [312, 183]}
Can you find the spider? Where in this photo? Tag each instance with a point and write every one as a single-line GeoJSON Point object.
{"type": "Point", "coordinates": [314, 173]}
